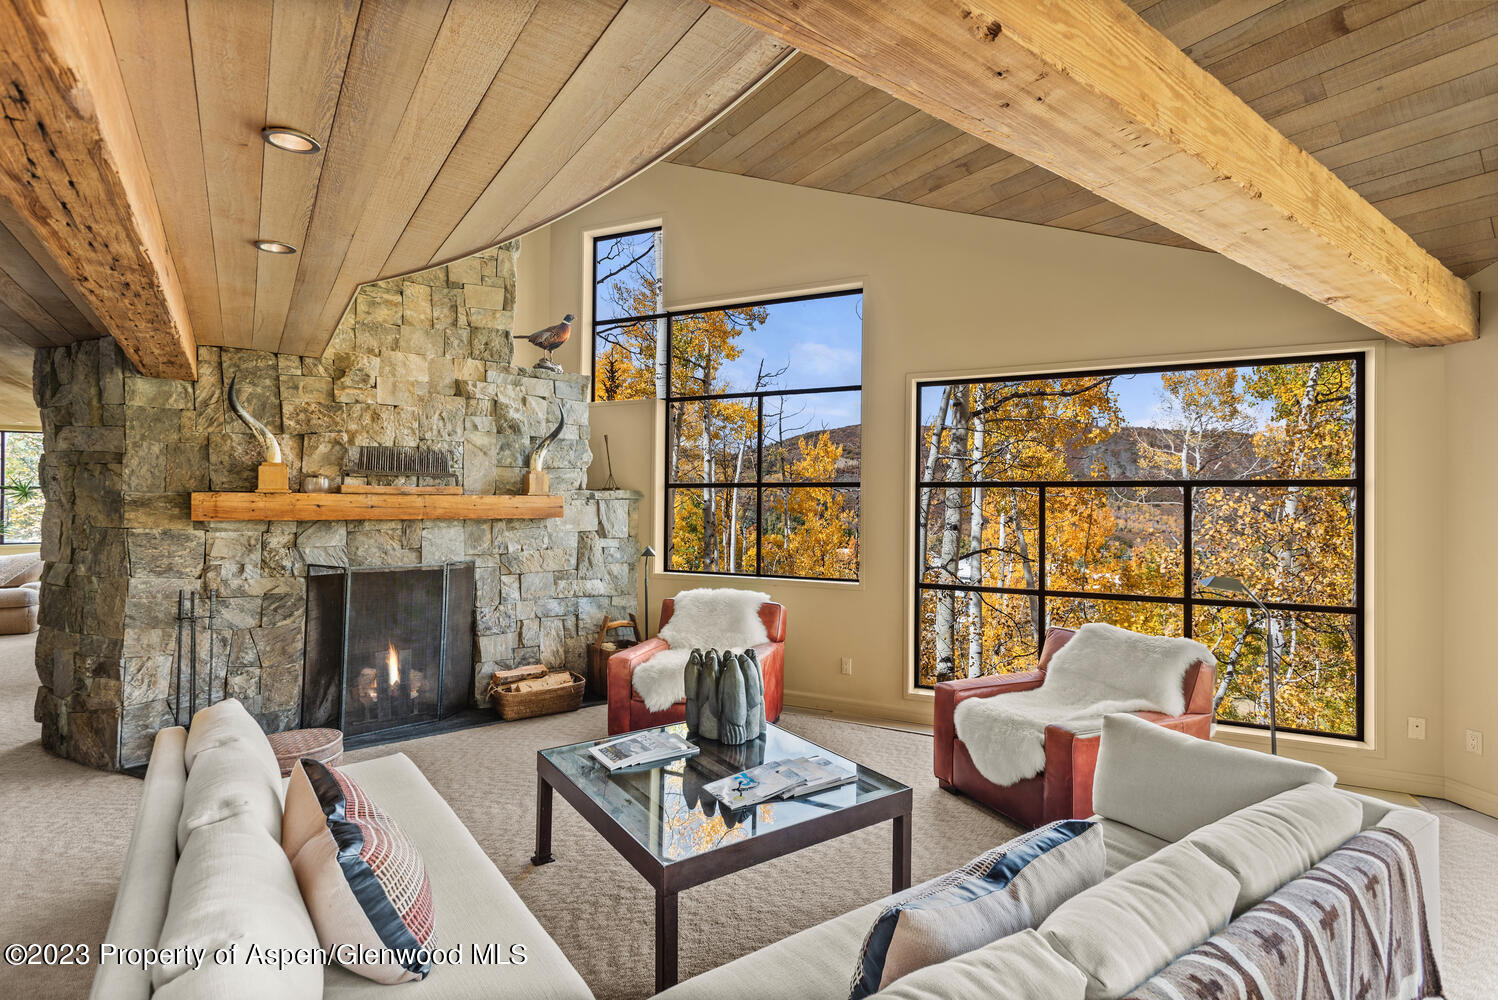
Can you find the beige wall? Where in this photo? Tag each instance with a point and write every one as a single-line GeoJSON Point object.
{"type": "Point", "coordinates": [949, 293]}
{"type": "Point", "coordinates": [1469, 492]}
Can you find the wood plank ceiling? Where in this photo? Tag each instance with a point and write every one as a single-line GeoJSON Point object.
{"type": "Point", "coordinates": [1399, 98]}
{"type": "Point", "coordinates": [448, 126]}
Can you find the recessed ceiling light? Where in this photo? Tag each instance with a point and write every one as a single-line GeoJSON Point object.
{"type": "Point", "coordinates": [293, 140]}
{"type": "Point", "coordinates": [274, 246]}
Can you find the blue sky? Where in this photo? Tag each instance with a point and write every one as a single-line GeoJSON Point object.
{"type": "Point", "coordinates": [820, 343]}
{"type": "Point", "coordinates": [1141, 398]}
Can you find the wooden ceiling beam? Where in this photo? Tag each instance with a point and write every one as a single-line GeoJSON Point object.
{"type": "Point", "coordinates": [71, 166]}
{"type": "Point", "coordinates": [1088, 90]}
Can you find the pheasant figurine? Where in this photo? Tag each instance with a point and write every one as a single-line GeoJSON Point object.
{"type": "Point", "coordinates": [549, 339]}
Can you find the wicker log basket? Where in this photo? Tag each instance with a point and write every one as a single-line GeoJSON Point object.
{"type": "Point", "coordinates": [517, 695]}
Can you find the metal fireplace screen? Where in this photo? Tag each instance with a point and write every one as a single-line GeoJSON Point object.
{"type": "Point", "coordinates": [387, 647]}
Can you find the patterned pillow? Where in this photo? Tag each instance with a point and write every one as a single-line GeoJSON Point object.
{"type": "Point", "coordinates": [362, 880]}
{"type": "Point", "coordinates": [1011, 888]}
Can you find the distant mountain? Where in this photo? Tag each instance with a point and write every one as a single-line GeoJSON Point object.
{"type": "Point", "coordinates": [1226, 455]}
{"type": "Point", "coordinates": [849, 438]}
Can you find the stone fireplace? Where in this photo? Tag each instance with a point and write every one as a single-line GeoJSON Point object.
{"type": "Point", "coordinates": [420, 362]}
{"type": "Point", "coordinates": [387, 647]}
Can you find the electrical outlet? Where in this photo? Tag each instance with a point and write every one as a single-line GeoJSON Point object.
{"type": "Point", "coordinates": [1474, 741]}
{"type": "Point", "coordinates": [848, 665]}
{"type": "Point", "coordinates": [1417, 728]}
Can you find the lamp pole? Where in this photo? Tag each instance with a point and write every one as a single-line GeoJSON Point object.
{"type": "Point", "coordinates": [645, 557]}
{"type": "Point", "coordinates": [1233, 585]}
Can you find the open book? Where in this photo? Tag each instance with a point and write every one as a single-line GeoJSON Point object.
{"type": "Point", "coordinates": [781, 779]}
{"type": "Point", "coordinates": [638, 749]}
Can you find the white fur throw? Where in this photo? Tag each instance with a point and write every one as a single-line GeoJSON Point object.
{"type": "Point", "coordinates": [1101, 670]}
{"type": "Point", "coordinates": [702, 619]}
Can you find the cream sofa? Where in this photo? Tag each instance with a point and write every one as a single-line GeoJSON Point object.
{"type": "Point", "coordinates": [20, 592]}
{"type": "Point", "coordinates": [474, 904]}
{"type": "Point", "coordinates": [1167, 782]}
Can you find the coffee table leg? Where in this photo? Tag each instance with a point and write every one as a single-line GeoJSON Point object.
{"type": "Point", "coordinates": [665, 940]}
{"type": "Point", "coordinates": [902, 853]}
{"type": "Point", "coordinates": [543, 823]}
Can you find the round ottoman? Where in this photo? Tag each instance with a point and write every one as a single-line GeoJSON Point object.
{"type": "Point", "coordinates": [322, 745]}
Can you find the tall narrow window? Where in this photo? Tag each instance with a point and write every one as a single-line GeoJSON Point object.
{"type": "Point", "coordinates": [628, 316]}
{"type": "Point", "coordinates": [763, 436]}
{"type": "Point", "coordinates": [20, 490]}
{"type": "Point", "coordinates": [1107, 496]}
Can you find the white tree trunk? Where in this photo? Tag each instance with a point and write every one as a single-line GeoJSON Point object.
{"type": "Point", "coordinates": [975, 543]}
{"type": "Point", "coordinates": [946, 618]}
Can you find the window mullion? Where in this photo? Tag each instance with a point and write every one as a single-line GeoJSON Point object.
{"type": "Point", "coordinates": [1187, 569]}
{"type": "Point", "coordinates": [1040, 617]}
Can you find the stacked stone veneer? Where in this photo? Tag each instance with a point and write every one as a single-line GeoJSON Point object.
{"type": "Point", "coordinates": [420, 361]}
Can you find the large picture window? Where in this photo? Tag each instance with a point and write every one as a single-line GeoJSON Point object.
{"type": "Point", "coordinates": [629, 316]}
{"type": "Point", "coordinates": [1106, 496]}
{"type": "Point", "coordinates": [20, 493]}
{"type": "Point", "coordinates": [763, 437]}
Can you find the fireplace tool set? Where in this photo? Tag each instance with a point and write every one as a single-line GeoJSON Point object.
{"type": "Point", "coordinates": [185, 656]}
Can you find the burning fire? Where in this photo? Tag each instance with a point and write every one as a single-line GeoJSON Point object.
{"type": "Point", "coordinates": [393, 666]}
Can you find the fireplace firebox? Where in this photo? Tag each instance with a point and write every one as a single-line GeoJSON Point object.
{"type": "Point", "coordinates": [387, 647]}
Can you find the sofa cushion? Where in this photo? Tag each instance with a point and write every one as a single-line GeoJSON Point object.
{"type": "Point", "coordinates": [362, 879]}
{"type": "Point", "coordinates": [18, 597]}
{"type": "Point", "coordinates": [1009, 889]}
{"type": "Point", "coordinates": [1126, 845]}
{"type": "Point", "coordinates": [233, 886]}
{"type": "Point", "coordinates": [1167, 783]}
{"type": "Point", "coordinates": [1127, 928]}
{"type": "Point", "coordinates": [231, 770]}
{"type": "Point", "coordinates": [476, 907]}
{"type": "Point", "coordinates": [21, 568]}
{"type": "Point", "coordinates": [1269, 843]}
{"type": "Point", "coordinates": [1021, 966]}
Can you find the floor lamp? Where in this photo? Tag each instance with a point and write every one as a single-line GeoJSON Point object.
{"type": "Point", "coordinates": [645, 558]}
{"type": "Point", "coordinates": [1233, 585]}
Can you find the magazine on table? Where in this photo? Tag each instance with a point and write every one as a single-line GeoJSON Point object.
{"type": "Point", "coordinates": [638, 749]}
{"type": "Point", "coordinates": [781, 779]}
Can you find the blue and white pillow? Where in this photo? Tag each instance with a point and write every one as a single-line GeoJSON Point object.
{"type": "Point", "coordinates": [1011, 888]}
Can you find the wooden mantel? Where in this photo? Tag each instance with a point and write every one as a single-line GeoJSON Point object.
{"type": "Point", "coordinates": [368, 507]}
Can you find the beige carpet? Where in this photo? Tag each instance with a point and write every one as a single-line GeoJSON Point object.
{"type": "Point", "coordinates": [65, 829]}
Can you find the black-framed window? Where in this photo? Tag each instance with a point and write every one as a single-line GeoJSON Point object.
{"type": "Point", "coordinates": [763, 438]}
{"type": "Point", "coordinates": [20, 498]}
{"type": "Point", "coordinates": [629, 315]}
{"type": "Point", "coordinates": [1109, 495]}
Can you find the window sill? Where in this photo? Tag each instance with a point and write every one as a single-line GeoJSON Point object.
{"type": "Point", "coordinates": [1258, 739]}
{"type": "Point", "coordinates": [779, 580]}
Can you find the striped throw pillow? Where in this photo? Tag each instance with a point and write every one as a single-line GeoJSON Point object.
{"type": "Point", "coordinates": [1010, 889]}
{"type": "Point", "coordinates": [364, 884]}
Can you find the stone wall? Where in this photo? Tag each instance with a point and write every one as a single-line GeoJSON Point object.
{"type": "Point", "coordinates": [421, 361]}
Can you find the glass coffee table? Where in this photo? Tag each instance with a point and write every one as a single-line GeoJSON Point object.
{"type": "Point", "coordinates": [676, 835]}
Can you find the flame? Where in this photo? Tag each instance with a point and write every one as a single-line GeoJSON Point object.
{"type": "Point", "coordinates": [393, 666]}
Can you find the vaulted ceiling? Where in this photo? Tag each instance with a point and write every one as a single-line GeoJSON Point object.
{"type": "Point", "coordinates": [448, 126]}
{"type": "Point", "coordinates": [1398, 97]}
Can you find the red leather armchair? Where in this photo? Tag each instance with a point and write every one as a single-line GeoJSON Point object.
{"type": "Point", "coordinates": [627, 710]}
{"type": "Point", "coordinates": [1064, 789]}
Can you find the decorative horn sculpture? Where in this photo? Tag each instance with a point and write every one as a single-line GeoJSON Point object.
{"type": "Point", "coordinates": [272, 472]}
{"type": "Point", "coordinates": [536, 482]}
